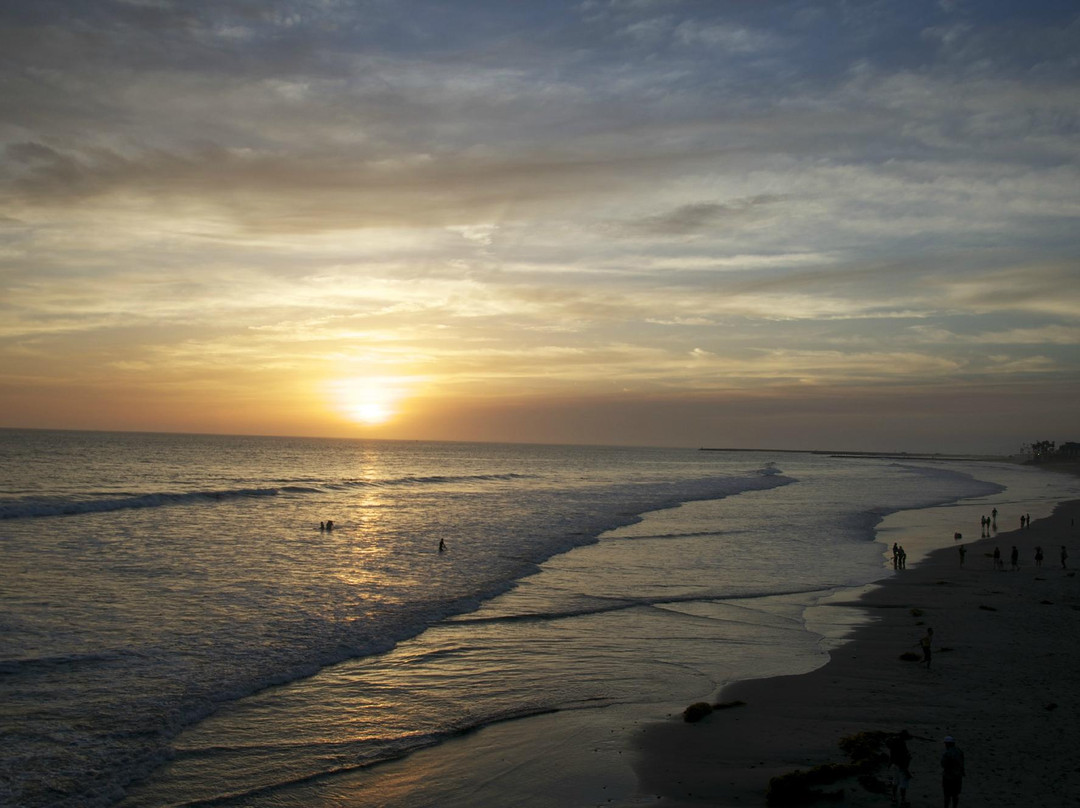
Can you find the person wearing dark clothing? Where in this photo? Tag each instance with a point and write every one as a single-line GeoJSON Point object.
{"type": "Point", "coordinates": [952, 773]}
{"type": "Point", "coordinates": [899, 765]}
{"type": "Point", "coordinates": [925, 643]}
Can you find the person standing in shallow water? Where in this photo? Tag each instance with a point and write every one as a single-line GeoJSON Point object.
{"type": "Point", "coordinates": [952, 772]}
{"type": "Point", "coordinates": [963, 552]}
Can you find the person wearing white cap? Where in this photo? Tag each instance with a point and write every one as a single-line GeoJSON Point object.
{"type": "Point", "coordinates": [952, 772]}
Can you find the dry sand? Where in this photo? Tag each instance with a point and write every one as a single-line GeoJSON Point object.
{"type": "Point", "coordinates": [1005, 681]}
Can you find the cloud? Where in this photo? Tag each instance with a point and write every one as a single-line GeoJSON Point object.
{"type": "Point", "coordinates": [700, 216]}
{"type": "Point", "coordinates": [729, 39]}
{"type": "Point", "coordinates": [516, 194]}
{"type": "Point", "coordinates": [1041, 335]}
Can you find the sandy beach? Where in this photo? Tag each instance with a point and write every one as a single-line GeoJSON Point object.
{"type": "Point", "coordinates": [1003, 681]}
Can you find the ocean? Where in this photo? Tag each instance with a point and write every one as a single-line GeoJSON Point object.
{"type": "Point", "coordinates": [180, 628]}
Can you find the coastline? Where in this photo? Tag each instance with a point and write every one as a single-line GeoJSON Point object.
{"type": "Point", "coordinates": [1003, 682]}
{"type": "Point", "coordinates": [641, 753]}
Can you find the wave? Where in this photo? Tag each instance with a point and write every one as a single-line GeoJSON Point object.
{"type": "Point", "coordinates": [333, 754]}
{"type": "Point", "coordinates": [606, 605]}
{"type": "Point", "coordinates": [35, 508]}
{"type": "Point", "coordinates": [66, 662]}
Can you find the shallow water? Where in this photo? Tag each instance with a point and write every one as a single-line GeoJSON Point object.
{"type": "Point", "coordinates": [190, 574]}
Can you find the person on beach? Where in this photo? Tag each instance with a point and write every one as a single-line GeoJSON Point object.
{"type": "Point", "coordinates": [329, 524]}
{"type": "Point", "coordinates": [963, 552]}
{"type": "Point", "coordinates": [442, 546]}
{"type": "Point", "coordinates": [1014, 557]}
{"type": "Point", "coordinates": [952, 772]}
{"type": "Point", "coordinates": [903, 558]}
{"type": "Point", "coordinates": [1064, 557]}
{"type": "Point", "coordinates": [1038, 556]}
{"type": "Point", "coordinates": [895, 556]}
{"type": "Point", "coordinates": [925, 644]}
{"type": "Point", "coordinates": [997, 558]}
{"type": "Point", "coordinates": [899, 765]}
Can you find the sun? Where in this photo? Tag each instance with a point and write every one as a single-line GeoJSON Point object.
{"type": "Point", "coordinates": [367, 400]}
{"type": "Point", "coordinates": [370, 412]}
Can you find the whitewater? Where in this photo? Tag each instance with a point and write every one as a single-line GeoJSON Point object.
{"type": "Point", "coordinates": [177, 628]}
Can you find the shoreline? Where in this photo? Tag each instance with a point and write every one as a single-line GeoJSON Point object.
{"type": "Point", "coordinates": [641, 753]}
{"type": "Point", "coordinates": [1003, 682]}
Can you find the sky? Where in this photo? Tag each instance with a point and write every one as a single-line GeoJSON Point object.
{"type": "Point", "coordinates": [808, 225]}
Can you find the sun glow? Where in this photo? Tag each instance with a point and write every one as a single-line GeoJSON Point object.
{"type": "Point", "coordinates": [369, 400]}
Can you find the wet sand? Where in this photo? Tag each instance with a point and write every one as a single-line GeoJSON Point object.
{"type": "Point", "coordinates": [1004, 681]}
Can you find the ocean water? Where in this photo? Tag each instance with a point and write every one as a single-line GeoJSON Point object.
{"type": "Point", "coordinates": [178, 630]}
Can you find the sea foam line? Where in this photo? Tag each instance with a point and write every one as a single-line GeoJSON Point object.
{"type": "Point", "coordinates": [30, 509]}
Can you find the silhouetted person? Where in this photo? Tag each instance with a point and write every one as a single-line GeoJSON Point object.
{"type": "Point", "coordinates": [925, 643]}
{"type": "Point", "coordinates": [963, 552]}
{"type": "Point", "coordinates": [329, 524]}
{"type": "Point", "coordinates": [322, 525]}
{"type": "Point", "coordinates": [899, 765]}
{"type": "Point", "coordinates": [1038, 556]}
{"type": "Point", "coordinates": [895, 556]}
{"type": "Point", "coordinates": [442, 546]}
{"type": "Point", "coordinates": [997, 558]}
{"type": "Point", "coordinates": [952, 772]}
{"type": "Point", "coordinates": [1064, 557]}
{"type": "Point", "coordinates": [1014, 557]}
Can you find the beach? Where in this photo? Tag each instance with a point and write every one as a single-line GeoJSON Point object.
{"type": "Point", "coordinates": [1003, 681]}
{"type": "Point", "coordinates": [995, 672]}
{"type": "Point", "coordinates": [228, 651]}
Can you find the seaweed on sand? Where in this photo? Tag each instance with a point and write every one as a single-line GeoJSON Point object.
{"type": "Point", "coordinates": [864, 750]}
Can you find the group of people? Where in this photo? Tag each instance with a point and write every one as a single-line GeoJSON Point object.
{"type": "Point", "coordinates": [952, 768]}
{"type": "Point", "coordinates": [899, 557]}
{"type": "Point", "coordinates": [329, 525]}
{"type": "Point", "coordinates": [1014, 557]}
{"type": "Point", "coordinates": [990, 522]}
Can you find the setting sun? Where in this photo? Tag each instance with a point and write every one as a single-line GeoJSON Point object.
{"type": "Point", "coordinates": [370, 401]}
